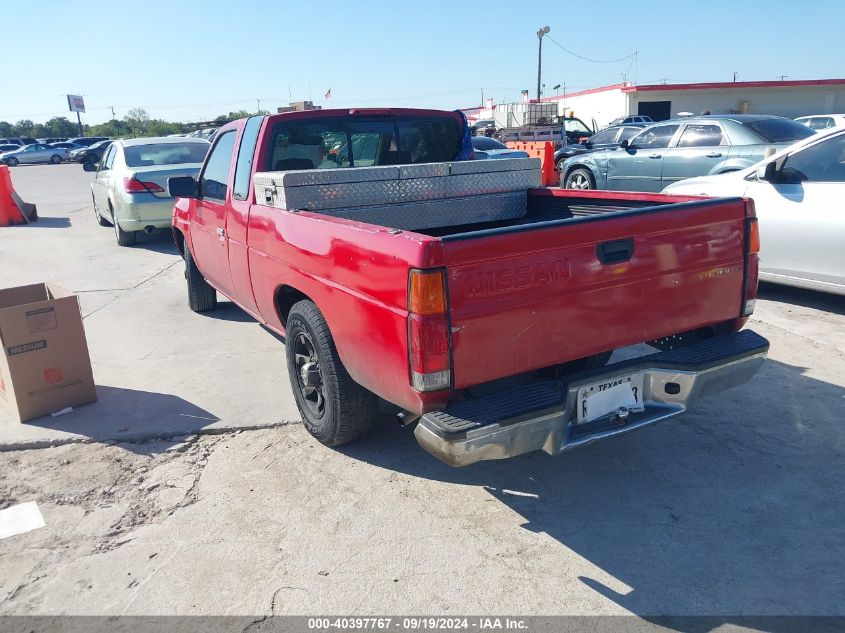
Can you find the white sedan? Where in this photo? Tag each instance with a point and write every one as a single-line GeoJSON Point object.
{"type": "Point", "coordinates": [799, 194]}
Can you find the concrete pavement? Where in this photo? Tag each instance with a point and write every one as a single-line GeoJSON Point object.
{"type": "Point", "coordinates": [732, 509]}
{"type": "Point", "coordinates": [160, 369]}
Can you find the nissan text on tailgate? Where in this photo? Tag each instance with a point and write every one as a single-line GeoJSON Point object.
{"type": "Point", "coordinates": [483, 306]}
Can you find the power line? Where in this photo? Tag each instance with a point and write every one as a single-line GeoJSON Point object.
{"type": "Point", "coordinates": [587, 59]}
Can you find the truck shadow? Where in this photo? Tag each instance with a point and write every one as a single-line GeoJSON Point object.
{"type": "Point", "coordinates": [731, 509]}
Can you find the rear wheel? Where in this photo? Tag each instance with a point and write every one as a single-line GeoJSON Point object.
{"type": "Point", "coordinates": [202, 296]}
{"type": "Point", "coordinates": [124, 238]}
{"type": "Point", "coordinates": [335, 409]}
{"type": "Point", "coordinates": [580, 178]}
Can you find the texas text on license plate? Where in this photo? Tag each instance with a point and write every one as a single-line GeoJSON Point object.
{"type": "Point", "coordinates": [601, 398]}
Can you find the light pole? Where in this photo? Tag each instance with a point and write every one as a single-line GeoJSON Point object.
{"type": "Point", "coordinates": [540, 35]}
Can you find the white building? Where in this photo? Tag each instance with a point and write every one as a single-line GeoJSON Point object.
{"type": "Point", "coordinates": [663, 101]}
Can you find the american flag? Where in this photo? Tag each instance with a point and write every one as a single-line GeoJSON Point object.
{"type": "Point", "coordinates": [328, 94]}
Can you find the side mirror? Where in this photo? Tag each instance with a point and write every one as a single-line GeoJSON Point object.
{"type": "Point", "coordinates": [624, 144]}
{"type": "Point", "coordinates": [89, 166]}
{"type": "Point", "coordinates": [182, 187]}
{"type": "Point", "coordinates": [767, 172]}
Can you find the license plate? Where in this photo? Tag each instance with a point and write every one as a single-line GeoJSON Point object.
{"type": "Point", "coordinates": [602, 398]}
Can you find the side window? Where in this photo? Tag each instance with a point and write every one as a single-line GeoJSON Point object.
{"type": "Point", "coordinates": [702, 136]}
{"type": "Point", "coordinates": [627, 133]}
{"type": "Point", "coordinates": [823, 162]}
{"type": "Point", "coordinates": [305, 144]}
{"type": "Point", "coordinates": [605, 136]}
{"type": "Point", "coordinates": [108, 158]}
{"type": "Point", "coordinates": [215, 176]}
{"type": "Point", "coordinates": [820, 123]}
{"type": "Point", "coordinates": [656, 137]}
{"type": "Point", "coordinates": [245, 156]}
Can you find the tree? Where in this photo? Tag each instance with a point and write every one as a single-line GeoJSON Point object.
{"type": "Point", "coordinates": [5, 128]}
{"type": "Point", "coordinates": [23, 128]}
{"type": "Point", "coordinates": [60, 127]}
{"type": "Point", "coordinates": [138, 120]}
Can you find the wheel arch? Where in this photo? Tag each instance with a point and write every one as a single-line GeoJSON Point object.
{"type": "Point", "coordinates": [285, 298]}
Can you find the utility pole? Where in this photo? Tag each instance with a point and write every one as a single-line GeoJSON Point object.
{"type": "Point", "coordinates": [258, 104]}
{"type": "Point", "coordinates": [540, 35]}
{"type": "Point", "coordinates": [782, 77]}
{"type": "Point", "coordinates": [735, 74]}
{"type": "Point", "coordinates": [112, 112]}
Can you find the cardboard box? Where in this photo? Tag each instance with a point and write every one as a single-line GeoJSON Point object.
{"type": "Point", "coordinates": [45, 365]}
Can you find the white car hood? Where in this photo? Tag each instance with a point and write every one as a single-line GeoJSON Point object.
{"type": "Point", "coordinates": [730, 184]}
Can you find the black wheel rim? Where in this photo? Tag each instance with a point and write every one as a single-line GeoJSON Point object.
{"type": "Point", "coordinates": [309, 375]}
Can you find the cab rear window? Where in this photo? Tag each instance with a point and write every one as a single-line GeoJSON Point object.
{"type": "Point", "coordinates": [338, 142]}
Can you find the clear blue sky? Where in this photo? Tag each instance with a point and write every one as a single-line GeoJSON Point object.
{"type": "Point", "coordinates": [189, 60]}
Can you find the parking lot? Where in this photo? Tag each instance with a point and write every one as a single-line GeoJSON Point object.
{"type": "Point", "coordinates": [191, 488]}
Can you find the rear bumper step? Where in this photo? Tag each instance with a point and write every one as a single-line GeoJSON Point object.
{"type": "Point", "coordinates": [542, 415]}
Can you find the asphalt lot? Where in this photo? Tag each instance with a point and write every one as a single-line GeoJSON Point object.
{"type": "Point", "coordinates": [733, 509]}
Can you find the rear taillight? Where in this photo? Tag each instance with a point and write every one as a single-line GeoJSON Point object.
{"type": "Point", "coordinates": [752, 261]}
{"type": "Point", "coordinates": [429, 345]}
{"type": "Point", "coordinates": [133, 185]}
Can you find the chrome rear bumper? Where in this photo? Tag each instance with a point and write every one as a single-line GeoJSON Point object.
{"type": "Point", "coordinates": [542, 415]}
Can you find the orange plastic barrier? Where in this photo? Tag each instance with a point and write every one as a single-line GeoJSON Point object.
{"type": "Point", "coordinates": [13, 210]}
{"type": "Point", "coordinates": [545, 151]}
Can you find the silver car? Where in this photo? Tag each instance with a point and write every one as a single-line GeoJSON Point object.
{"type": "Point", "coordinates": [798, 194]}
{"type": "Point", "coordinates": [34, 153]}
{"type": "Point", "coordinates": [130, 183]}
{"type": "Point", "coordinates": [682, 148]}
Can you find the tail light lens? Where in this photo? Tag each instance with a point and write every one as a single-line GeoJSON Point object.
{"type": "Point", "coordinates": [752, 262]}
{"type": "Point", "coordinates": [133, 185]}
{"type": "Point", "coordinates": [429, 344]}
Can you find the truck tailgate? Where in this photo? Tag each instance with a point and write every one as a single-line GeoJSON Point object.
{"type": "Point", "coordinates": [526, 297]}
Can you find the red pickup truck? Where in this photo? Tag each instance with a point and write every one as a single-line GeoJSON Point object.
{"type": "Point", "coordinates": [483, 306]}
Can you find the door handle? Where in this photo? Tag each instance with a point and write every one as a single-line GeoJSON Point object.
{"type": "Point", "coordinates": [714, 155]}
{"type": "Point", "coordinates": [655, 155]}
{"type": "Point", "coordinates": [615, 252]}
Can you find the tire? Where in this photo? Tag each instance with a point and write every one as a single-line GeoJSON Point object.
{"type": "Point", "coordinates": [580, 178]}
{"type": "Point", "coordinates": [335, 409]}
{"type": "Point", "coordinates": [202, 296]}
{"type": "Point", "coordinates": [12, 162]}
{"type": "Point", "coordinates": [99, 216]}
{"type": "Point", "coordinates": [55, 159]}
{"type": "Point", "coordinates": [124, 238]}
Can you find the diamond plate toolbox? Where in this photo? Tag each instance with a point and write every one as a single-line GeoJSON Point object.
{"type": "Point", "coordinates": [346, 188]}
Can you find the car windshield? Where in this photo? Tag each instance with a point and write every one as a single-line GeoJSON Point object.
{"type": "Point", "coordinates": [165, 154]}
{"type": "Point", "coordinates": [574, 125]}
{"type": "Point", "coordinates": [484, 143]}
{"type": "Point", "coordinates": [779, 130]}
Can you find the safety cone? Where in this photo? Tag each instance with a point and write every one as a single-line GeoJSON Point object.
{"type": "Point", "coordinates": [13, 210]}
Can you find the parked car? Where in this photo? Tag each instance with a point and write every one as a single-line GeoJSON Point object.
{"type": "Point", "coordinates": [205, 133]}
{"type": "Point", "coordinates": [672, 150]}
{"type": "Point", "coordinates": [799, 194]}
{"type": "Point", "coordinates": [633, 118]}
{"type": "Point", "coordinates": [486, 147]}
{"type": "Point", "coordinates": [822, 121]}
{"type": "Point", "coordinates": [608, 138]}
{"type": "Point", "coordinates": [130, 183]}
{"type": "Point", "coordinates": [87, 141]}
{"type": "Point", "coordinates": [66, 145]}
{"type": "Point", "coordinates": [424, 294]}
{"type": "Point", "coordinates": [33, 153]}
{"type": "Point", "coordinates": [91, 154]}
{"type": "Point", "coordinates": [8, 147]}
{"type": "Point", "coordinates": [485, 127]}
